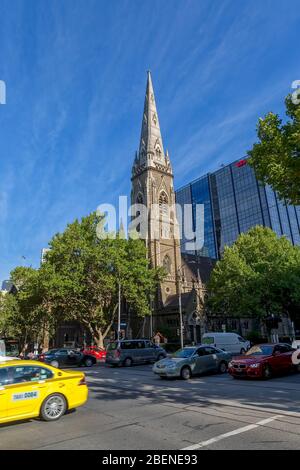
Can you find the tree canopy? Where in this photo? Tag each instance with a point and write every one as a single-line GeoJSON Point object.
{"type": "Point", "coordinates": [22, 315]}
{"type": "Point", "coordinates": [258, 275]}
{"type": "Point", "coordinates": [276, 157]}
{"type": "Point", "coordinates": [79, 281]}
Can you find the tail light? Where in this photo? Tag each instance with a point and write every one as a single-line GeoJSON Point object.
{"type": "Point", "coordinates": [82, 381]}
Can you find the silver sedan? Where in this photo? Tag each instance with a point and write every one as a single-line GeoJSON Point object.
{"type": "Point", "coordinates": [193, 360]}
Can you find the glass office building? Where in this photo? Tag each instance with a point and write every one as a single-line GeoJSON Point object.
{"type": "Point", "coordinates": [234, 201]}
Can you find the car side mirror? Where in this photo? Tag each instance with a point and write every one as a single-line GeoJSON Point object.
{"type": "Point", "coordinates": [276, 353]}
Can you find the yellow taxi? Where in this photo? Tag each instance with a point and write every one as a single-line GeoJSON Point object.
{"type": "Point", "coordinates": [30, 389]}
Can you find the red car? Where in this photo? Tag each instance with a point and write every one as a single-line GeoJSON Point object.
{"type": "Point", "coordinates": [263, 360]}
{"type": "Point", "coordinates": [95, 351]}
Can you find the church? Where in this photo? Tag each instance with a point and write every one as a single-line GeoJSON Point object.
{"type": "Point", "coordinates": [180, 297]}
{"type": "Point", "coordinates": [182, 292]}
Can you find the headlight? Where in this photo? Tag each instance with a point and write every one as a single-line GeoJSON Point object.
{"type": "Point", "coordinates": [172, 365]}
{"type": "Point", "coordinates": [230, 364]}
{"type": "Point", "coordinates": [254, 366]}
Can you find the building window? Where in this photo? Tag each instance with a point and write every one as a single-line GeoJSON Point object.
{"type": "Point", "coordinates": [158, 151]}
{"type": "Point", "coordinates": [139, 199]}
{"type": "Point", "coordinates": [163, 203]}
{"type": "Point", "coordinates": [167, 264]}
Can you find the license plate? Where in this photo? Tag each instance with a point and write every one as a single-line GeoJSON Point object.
{"type": "Point", "coordinates": [25, 396]}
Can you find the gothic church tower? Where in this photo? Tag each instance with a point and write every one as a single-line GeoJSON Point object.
{"type": "Point", "coordinates": [152, 185]}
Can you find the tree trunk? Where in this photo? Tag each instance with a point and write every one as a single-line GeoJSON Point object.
{"type": "Point", "coordinates": [100, 339]}
{"type": "Point", "coordinates": [46, 337]}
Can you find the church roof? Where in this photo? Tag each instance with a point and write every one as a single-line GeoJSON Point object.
{"type": "Point", "coordinates": [195, 265]}
{"type": "Point", "coordinates": [172, 300]}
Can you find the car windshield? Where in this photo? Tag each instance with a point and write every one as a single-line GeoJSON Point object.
{"type": "Point", "coordinates": [260, 351]}
{"type": "Point", "coordinates": [186, 352]}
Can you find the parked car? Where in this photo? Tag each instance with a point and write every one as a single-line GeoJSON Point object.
{"type": "Point", "coordinates": [230, 342]}
{"type": "Point", "coordinates": [8, 358]}
{"type": "Point", "coordinates": [2, 348]}
{"type": "Point", "coordinates": [193, 360]}
{"type": "Point", "coordinates": [135, 351]}
{"type": "Point", "coordinates": [95, 351]}
{"type": "Point", "coordinates": [263, 360]}
{"type": "Point", "coordinates": [30, 389]}
{"type": "Point", "coordinates": [67, 357]}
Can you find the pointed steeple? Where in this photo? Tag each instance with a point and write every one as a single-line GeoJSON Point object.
{"type": "Point", "coordinates": [151, 141]}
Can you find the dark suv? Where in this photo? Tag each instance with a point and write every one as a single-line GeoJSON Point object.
{"type": "Point", "coordinates": [67, 357]}
{"type": "Point", "coordinates": [134, 351]}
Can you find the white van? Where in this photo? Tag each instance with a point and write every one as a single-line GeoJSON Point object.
{"type": "Point", "coordinates": [230, 342]}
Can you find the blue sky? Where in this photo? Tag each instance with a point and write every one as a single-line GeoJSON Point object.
{"type": "Point", "coordinates": [75, 73]}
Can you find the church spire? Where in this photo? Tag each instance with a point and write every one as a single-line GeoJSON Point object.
{"type": "Point", "coordinates": [151, 141]}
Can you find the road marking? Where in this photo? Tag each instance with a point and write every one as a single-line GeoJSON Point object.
{"type": "Point", "coordinates": [232, 433]}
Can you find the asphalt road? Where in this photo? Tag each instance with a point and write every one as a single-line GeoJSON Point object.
{"type": "Point", "coordinates": [130, 408]}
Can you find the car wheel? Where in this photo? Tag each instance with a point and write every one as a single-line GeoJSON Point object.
{"type": "Point", "coordinates": [53, 407]}
{"type": "Point", "coordinates": [128, 362]}
{"type": "Point", "coordinates": [223, 366]}
{"type": "Point", "coordinates": [242, 351]}
{"type": "Point", "coordinates": [267, 372]}
{"type": "Point", "coordinates": [160, 357]}
{"type": "Point", "coordinates": [88, 362]}
{"type": "Point", "coordinates": [54, 364]}
{"type": "Point", "coordinates": [185, 373]}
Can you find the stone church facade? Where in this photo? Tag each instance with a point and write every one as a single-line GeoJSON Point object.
{"type": "Point", "coordinates": [153, 186]}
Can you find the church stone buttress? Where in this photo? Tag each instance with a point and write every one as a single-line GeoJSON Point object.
{"type": "Point", "coordinates": [152, 185]}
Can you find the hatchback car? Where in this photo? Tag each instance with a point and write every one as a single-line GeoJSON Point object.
{"type": "Point", "coordinates": [30, 389]}
{"type": "Point", "coordinates": [135, 351]}
{"type": "Point", "coordinates": [193, 360]}
{"type": "Point", "coordinates": [263, 360]}
{"type": "Point", "coordinates": [67, 357]}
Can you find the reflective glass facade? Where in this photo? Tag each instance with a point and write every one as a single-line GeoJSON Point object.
{"type": "Point", "coordinates": [234, 201]}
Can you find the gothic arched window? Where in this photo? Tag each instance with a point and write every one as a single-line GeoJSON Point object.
{"type": "Point", "coordinates": [167, 264]}
{"type": "Point", "coordinates": [139, 199]}
{"type": "Point", "coordinates": [163, 203]}
{"type": "Point", "coordinates": [158, 151]}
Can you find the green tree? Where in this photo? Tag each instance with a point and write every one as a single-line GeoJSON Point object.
{"type": "Point", "coordinates": [257, 276]}
{"type": "Point", "coordinates": [276, 157]}
{"type": "Point", "coordinates": [83, 272]}
{"type": "Point", "coordinates": [21, 314]}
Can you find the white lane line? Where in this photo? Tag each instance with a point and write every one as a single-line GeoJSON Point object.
{"type": "Point", "coordinates": [232, 433]}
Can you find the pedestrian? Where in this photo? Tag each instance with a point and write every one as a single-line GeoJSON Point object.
{"type": "Point", "coordinates": [156, 339]}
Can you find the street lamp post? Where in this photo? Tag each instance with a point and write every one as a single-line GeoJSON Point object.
{"type": "Point", "coordinates": [119, 312]}
{"type": "Point", "coordinates": [180, 306]}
